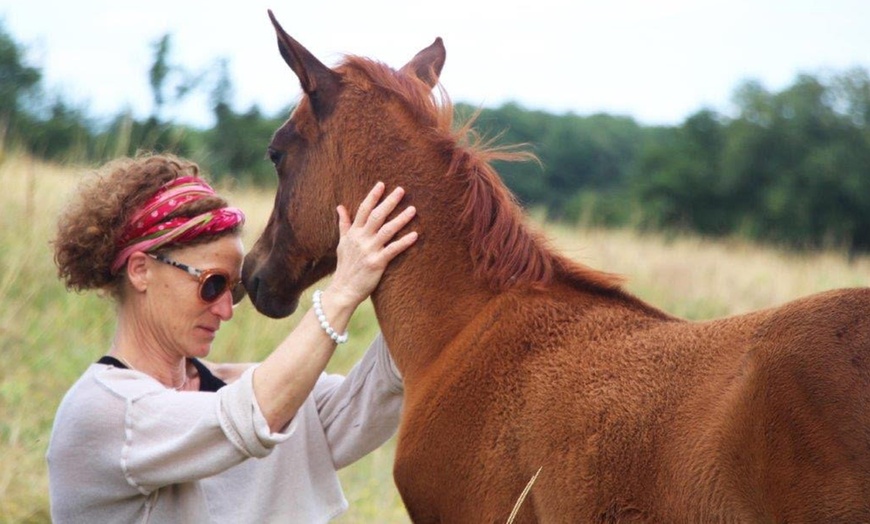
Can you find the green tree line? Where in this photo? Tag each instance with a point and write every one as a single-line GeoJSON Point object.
{"type": "Point", "coordinates": [790, 167]}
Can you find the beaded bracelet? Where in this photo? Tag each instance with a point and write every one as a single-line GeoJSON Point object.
{"type": "Point", "coordinates": [318, 310]}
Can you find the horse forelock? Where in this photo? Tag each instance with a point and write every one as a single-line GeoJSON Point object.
{"type": "Point", "coordinates": [505, 251]}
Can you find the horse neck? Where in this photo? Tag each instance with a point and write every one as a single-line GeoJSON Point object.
{"type": "Point", "coordinates": [427, 298]}
{"type": "Point", "coordinates": [429, 294]}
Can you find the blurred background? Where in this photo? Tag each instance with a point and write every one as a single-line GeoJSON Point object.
{"type": "Point", "coordinates": [716, 153]}
{"type": "Point", "coordinates": [738, 117]}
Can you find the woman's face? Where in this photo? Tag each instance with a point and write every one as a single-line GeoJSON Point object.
{"type": "Point", "coordinates": [181, 322]}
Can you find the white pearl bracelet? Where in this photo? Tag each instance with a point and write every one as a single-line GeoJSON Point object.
{"type": "Point", "coordinates": [318, 310]}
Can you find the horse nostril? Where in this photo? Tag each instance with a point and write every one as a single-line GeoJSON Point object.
{"type": "Point", "coordinates": [251, 286]}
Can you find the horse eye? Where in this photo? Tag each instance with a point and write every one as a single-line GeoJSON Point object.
{"type": "Point", "coordinates": [275, 156]}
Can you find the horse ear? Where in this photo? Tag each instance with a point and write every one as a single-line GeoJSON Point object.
{"type": "Point", "coordinates": [318, 81]}
{"type": "Point", "coordinates": [427, 64]}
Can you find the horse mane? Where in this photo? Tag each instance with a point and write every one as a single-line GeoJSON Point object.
{"type": "Point", "coordinates": [505, 251]}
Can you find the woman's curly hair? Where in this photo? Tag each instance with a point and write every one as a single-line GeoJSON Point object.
{"type": "Point", "coordinates": [89, 228]}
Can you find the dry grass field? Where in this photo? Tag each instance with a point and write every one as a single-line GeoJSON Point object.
{"type": "Point", "coordinates": [48, 335]}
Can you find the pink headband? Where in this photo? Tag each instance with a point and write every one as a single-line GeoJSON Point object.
{"type": "Point", "coordinates": [149, 230]}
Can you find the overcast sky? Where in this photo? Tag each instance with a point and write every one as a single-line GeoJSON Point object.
{"type": "Point", "coordinates": [655, 60]}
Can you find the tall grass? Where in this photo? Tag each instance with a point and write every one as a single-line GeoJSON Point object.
{"type": "Point", "coordinates": [48, 336]}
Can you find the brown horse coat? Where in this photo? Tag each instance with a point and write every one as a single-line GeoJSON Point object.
{"type": "Point", "coordinates": [516, 359]}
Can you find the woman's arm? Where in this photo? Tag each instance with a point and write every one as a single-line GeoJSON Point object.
{"type": "Point", "coordinates": [229, 372]}
{"type": "Point", "coordinates": [159, 436]}
{"type": "Point", "coordinates": [361, 411]}
{"type": "Point", "coordinates": [285, 379]}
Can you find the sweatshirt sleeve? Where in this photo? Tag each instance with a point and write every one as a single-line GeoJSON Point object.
{"type": "Point", "coordinates": [361, 411]}
{"type": "Point", "coordinates": [173, 437]}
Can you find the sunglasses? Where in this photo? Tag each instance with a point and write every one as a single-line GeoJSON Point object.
{"type": "Point", "coordinates": [213, 283]}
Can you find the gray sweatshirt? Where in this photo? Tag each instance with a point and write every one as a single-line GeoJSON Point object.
{"type": "Point", "coordinates": [124, 448]}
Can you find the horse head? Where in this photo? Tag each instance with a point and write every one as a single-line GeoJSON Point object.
{"type": "Point", "coordinates": [329, 152]}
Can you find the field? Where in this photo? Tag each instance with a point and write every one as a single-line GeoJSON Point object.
{"type": "Point", "coordinates": [48, 336]}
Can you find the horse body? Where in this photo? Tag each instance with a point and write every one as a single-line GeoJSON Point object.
{"type": "Point", "coordinates": [516, 359]}
{"type": "Point", "coordinates": [634, 416]}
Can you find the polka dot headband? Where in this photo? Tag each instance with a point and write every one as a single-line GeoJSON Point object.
{"type": "Point", "coordinates": [149, 229]}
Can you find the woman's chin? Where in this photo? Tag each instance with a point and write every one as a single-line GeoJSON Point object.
{"type": "Point", "coordinates": [201, 348]}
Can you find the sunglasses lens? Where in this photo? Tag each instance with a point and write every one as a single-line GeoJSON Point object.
{"type": "Point", "coordinates": [213, 287]}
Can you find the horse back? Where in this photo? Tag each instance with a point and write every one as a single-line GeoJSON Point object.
{"type": "Point", "coordinates": [631, 414]}
{"type": "Point", "coordinates": [783, 434]}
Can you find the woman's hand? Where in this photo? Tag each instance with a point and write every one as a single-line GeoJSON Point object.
{"type": "Point", "coordinates": [285, 379]}
{"type": "Point", "coordinates": [366, 245]}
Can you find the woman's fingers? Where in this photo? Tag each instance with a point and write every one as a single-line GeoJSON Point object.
{"type": "Point", "coordinates": [368, 204]}
{"type": "Point", "coordinates": [370, 222]}
{"type": "Point", "coordinates": [367, 244]}
{"type": "Point", "coordinates": [386, 231]}
{"type": "Point", "coordinates": [343, 219]}
{"type": "Point", "coordinates": [373, 212]}
{"type": "Point", "coordinates": [397, 246]}
{"type": "Point", "coordinates": [380, 213]}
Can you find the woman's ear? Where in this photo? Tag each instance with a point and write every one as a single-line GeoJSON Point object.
{"type": "Point", "coordinates": [137, 270]}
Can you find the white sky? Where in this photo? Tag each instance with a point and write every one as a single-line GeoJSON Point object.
{"type": "Point", "coordinates": [656, 60]}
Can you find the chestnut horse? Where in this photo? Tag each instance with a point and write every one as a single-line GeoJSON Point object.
{"type": "Point", "coordinates": [517, 359]}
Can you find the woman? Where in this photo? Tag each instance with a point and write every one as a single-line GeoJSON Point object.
{"type": "Point", "coordinates": [149, 434]}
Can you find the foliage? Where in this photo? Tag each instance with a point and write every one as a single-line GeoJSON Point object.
{"type": "Point", "coordinates": [791, 168]}
{"type": "Point", "coordinates": [164, 75]}
{"type": "Point", "coordinates": [64, 134]}
{"type": "Point", "coordinates": [238, 141]}
{"type": "Point", "coordinates": [788, 167]}
{"type": "Point", "coordinates": [17, 80]}
{"type": "Point", "coordinates": [578, 154]}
